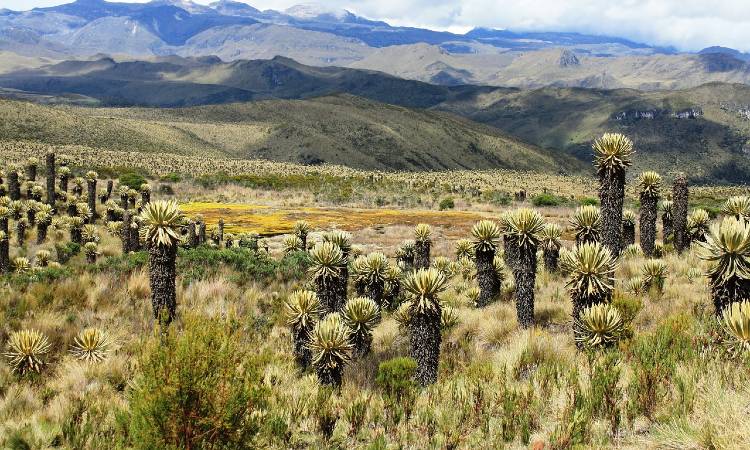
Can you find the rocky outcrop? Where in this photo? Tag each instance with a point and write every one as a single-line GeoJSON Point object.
{"type": "Point", "coordinates": [689, 113]}
{"type": "Point", "coordinates": [650, 114]}
{"type": "Point", "coordinates": [569, 59]}
{"type": "Point", "coordinates": [639, 114]}
{"type": "Point", "coordinates": [742, 111]}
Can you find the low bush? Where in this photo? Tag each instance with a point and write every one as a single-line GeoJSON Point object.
{"type": "Point", "coordinates": [66, 251]}
{"type": "Point", "coordinates": [204, 262]}
{"type": "Point", "coordinates": [547, 199]}
{"type": "Point", "coordinates": [123, 263]}
{"type": "Point", "coordinates": [605, 392]}
{"type": "Point", "coordinates": [165, 189]}
{"type": "Point", "coordinates": [572, 430]}
{"type": "Point", "coordinates": [628, 306]}
{"type": "Point", "coordinates": [132, 180]}
{"type": "Point", "coordinates": [272, 181]}
{"type": "Point", "coordinates": [588, 201]}
{"type": "Point", "coordinates": [499, 198]}
{"type": "Point", "coordinates": [115, 171]}
{"type": "Point", "coordinates": [654, 358]}
{"type": "Point", "coordinates": [446, 203]}
{"type": "Point", "coordinates": [40, 275]}
{"type": "Point", "coordinates": [199, 387]}
{"type": "Point", "coordinates": [395, 378]}
{"type": "Point", "coordinates": [171, 177]}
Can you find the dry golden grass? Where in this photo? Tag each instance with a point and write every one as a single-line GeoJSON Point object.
{"type": "Point", "coordinates": [486, 345]}
{"type": "Point", "coordinates": [484, 358]}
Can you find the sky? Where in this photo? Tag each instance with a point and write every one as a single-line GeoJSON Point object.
{"type": "Point", "coordinates": [685, 24]}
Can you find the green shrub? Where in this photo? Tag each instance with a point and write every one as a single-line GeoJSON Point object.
{"type": "Point", "coordinates": [605, 393]}
{"type": "Point", "coordinates": [572, 429]}
{"type": "Point", "coordinates": [498, 198]}
{"type": "Point", "coordinates": [277, 428]}
{"type": "Point", "coordinates": [123, 263]}
{"type": "Point", "coordinates": [199, 387]}
{"type": "Point", "coordinates": [547, 199]}
{"type": "Point", "coordinates": [204, 262]}
{"type": "Point", "coordinates": [41, 275]}
{"type": "Point", "coordinates": [272, 181]}
{"type": "Point", "coordinates": [324, 186]}
{"type": "Point", "coordinates": [589, 201]}
{"type": "Point", "coordinates": [66, 251]}
{"type": "Point", "coordinates": [520, 409]}
{"type": "Point", "coordinates": [19, 440]}
{"type": "Point", "coordinates": [325, 413]}
{"type": "Point", "coordinates": [113, 172]}
{"type": "Point", "coordinates": [93, 421]}
{"type": "Point", "coordinates": [171, 177]}
{"type": "Point", "coordinates": [628, 306]}
{"type": "Point", "coordinates": [293, 266]}
{"type": "Point", "coordinates": [446, 203]}
{"type": "Point", "coordinates": [714, 211]}
{"type": "Point", "coordinates": [165, 189]}
{"type": "Point", "coordinates": [132, 180]}
{"type": "Point", "coordinates": [356, 413]}
{"type": "Point", "coordinates": [396, 379]}
{"type": "Point", "coordinates": [654, 358]}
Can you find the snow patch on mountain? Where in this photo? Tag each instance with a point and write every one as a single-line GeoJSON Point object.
{"type": "Point", "coordinates": [308, 11]}
{"type": "Point", "coordinates": [187, 5]}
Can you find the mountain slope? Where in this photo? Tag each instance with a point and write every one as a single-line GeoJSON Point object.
{"type": "Point", "coordinates": [188, 81]}
{"type": "Point", "coordinates": [546, 67]}
{"type": "Point", "coordinates": [114, 35]}
{"type": "Point", "coordinates": [265, 41]}
{"type": "Point", "coordinates": [342, 129]}
{"type": "Point", "coordinates": [704, 131]}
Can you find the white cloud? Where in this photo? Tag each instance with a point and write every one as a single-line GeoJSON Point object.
{"type": "Point", "coordinates": [686, 24]}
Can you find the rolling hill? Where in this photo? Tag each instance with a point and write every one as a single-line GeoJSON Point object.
{"type": "Point", "coordinates": [339, 130]}
{"type": "Point", "coordinates": [704, 131]}
{"type": "Point", "coordinates": [174, 81]}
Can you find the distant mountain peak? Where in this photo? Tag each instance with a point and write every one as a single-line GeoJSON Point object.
{"type": "Point", "coordinates": [307, 11]}
{"type": "Point", "coordinates": [719, 49]}
{"type": "Point", "coordinates": [232, 5]}
{"type": "Point", "coordinates": [187, 5]}
{"type": "Point", "coordinates": [483, 31]}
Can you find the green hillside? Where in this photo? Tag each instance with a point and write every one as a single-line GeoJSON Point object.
{"type": "Point", "coordinates": [712, 147]}
{"type": "Point", "coordinates": [342, 130]}
{"type": "Point", "coordinates": [332, 125]}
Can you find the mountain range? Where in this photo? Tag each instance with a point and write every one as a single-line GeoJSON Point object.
{"type": "Point", "coordinates": [319, 36]}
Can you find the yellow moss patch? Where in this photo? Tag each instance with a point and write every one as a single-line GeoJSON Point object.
{"type": "Point", "coordinates": [243, 218]}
